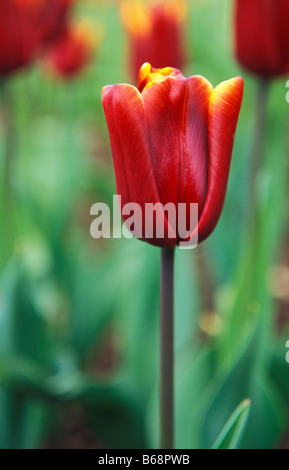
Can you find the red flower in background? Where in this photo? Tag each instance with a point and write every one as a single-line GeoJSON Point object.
{"type": "Point", "coordinates": [155, 32]}
{"type": "Point", "coordinates": [73, 50]}
{"type": "Point", "coordinates": [54, 15]}
{"type": "Point", "coordinates": [172, 141]}
{"type": "Point", "coordinates": [25, 26]}
{"type": "Point", "coordinates": [262, 36]}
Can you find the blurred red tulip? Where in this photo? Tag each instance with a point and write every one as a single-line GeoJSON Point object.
{"type": "Point", "coordinates": [53, 18]}
{"type": "Point", "coordinates": [172, 141]}
{"type": "Point", "coordinates": [155, 32]}
{"type": "Point", "coordinates": [73, 50]}
{"type": "Point", "coordinates": [25, 26]}
{"type": "Point", "coordinates": [262, 36]}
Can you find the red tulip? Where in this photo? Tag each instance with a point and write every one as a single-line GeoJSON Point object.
{"type": "Point", "coordinates": [73, 50]}
{"type": "Point", "coordinates": [172, 141]}
{"type": "Point", "coordinates": [25, 25]}
{"type": "Point", "coordinates": [262, 36]}
{"type": "Point", "coordinates": [53, 18]}
{"type": "Point", "coordinates": [155, 33]}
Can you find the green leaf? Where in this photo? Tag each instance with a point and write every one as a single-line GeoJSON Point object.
{"type": "Point", "coordinates": [137, 305]}
{"type": "Point", "coordinates": [232, 432]}
{"type": "Point", "coordinates": [92, 300]}
{"type": "Point", "coordinates": [244, 380]}
{"type": "Point", "coordinates": [192, 380]}
{"type": "Point", "coordinates": [267, 418]}
{"type": "Point", "coordinates": [190, 396]}
{"type": "Point", "coordinates": [23, 330]}
{"type": "Point", "coordinates": [113, 408]}
{"type": "Point", "coordinates": [32, 424]}
{"type": "Point", "coordinates": [7, 234]}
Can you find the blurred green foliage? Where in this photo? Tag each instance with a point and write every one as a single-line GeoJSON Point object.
{"type": "Point", "coordinates": [79, 318]}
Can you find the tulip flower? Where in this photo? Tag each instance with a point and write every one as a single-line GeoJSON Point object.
{"type": "Point", "coordinates": [262, 36]}
{"type": "Point", "coordinates": [53, 19]}
{"type": "Point", "coordinates": [16, 47]}
{"type": "Point", "coordinates": [73, 50]}
{"type": "Point", "coordinates": [155, 32]}
{"type": "Point", "coordinates": [172, 140]}
{"type": "Point", "coordinates": [25, 26]}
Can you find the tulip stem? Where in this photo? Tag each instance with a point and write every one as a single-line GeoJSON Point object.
{"type": "Point", "coordinates": [8, 127]}
{"type": "Point", "coordinates": [263, 88]}
{"type": "Point", "coordinates": [167, 349]}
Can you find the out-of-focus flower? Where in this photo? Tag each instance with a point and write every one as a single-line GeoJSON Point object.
{"type": "Point", "coordinates": [155, 31]}
{"type": "Point", "coordinates": [73, 50]}
{"type": "Point", "coordinates": [172, 140]}
{"type": "Point", "coordinates": [54, 17]}
{"type": "Point", "coordinates": [25, 26]}
{"type": "Point", "coordinates": [262, 36]}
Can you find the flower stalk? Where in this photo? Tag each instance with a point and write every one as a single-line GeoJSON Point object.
{"type": "Point", "coordinates": [9, 137]}
{"type": "Point", "coordinates": [167, 349]}
{"type": "Point", "coordinates": [263, 89]}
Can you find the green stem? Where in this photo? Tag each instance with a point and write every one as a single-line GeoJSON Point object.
{"type": "Point", "coordinates": [263, 89]}
{"type": "Point", "coordinates": [7, 234]}
{"type": "Point", "coordinates": [9, 137]}
{"type": "Point", "coordinates": [167, 350]}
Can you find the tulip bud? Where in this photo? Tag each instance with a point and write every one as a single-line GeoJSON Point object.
{"type": "Point", "coordinates": [262, 36]}
{"type": "Point", "coordinates": [53, 20]}
{"type": "Point", "coordinates": [25, 26]}
{"type": "Point", "coordinates": [73, 51]}
{"type": "Point", "coordinates": [155, 32]}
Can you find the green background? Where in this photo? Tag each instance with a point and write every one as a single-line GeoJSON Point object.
{"type": "Point", "coordinates": [79, 317]}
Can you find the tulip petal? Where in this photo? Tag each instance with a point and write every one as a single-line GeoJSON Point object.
{"type": "Point", "coordinates": [12, 34]}
{"type": "Point", "coordinates": [284, 32]}
{"type": "Point", "coordinates": [24, 27]}
{"type": "Point", "coordinates": [135, 180]}
{"type": "Point", "coordinates": [166, 42]}
{"type": "Point", "coordinates": [176, 111]}
{"type": "Point", "coordinates": [163, 104]}
{"type": "Point", "coordinates": [224, 110]}
{"type": "Point", "coordinates": [155, 33]}
{"type": "Point", "coordinates": [193, 164]}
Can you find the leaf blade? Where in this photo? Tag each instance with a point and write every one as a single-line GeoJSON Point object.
{"type": "Point", "coordinates": [232, 432]}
